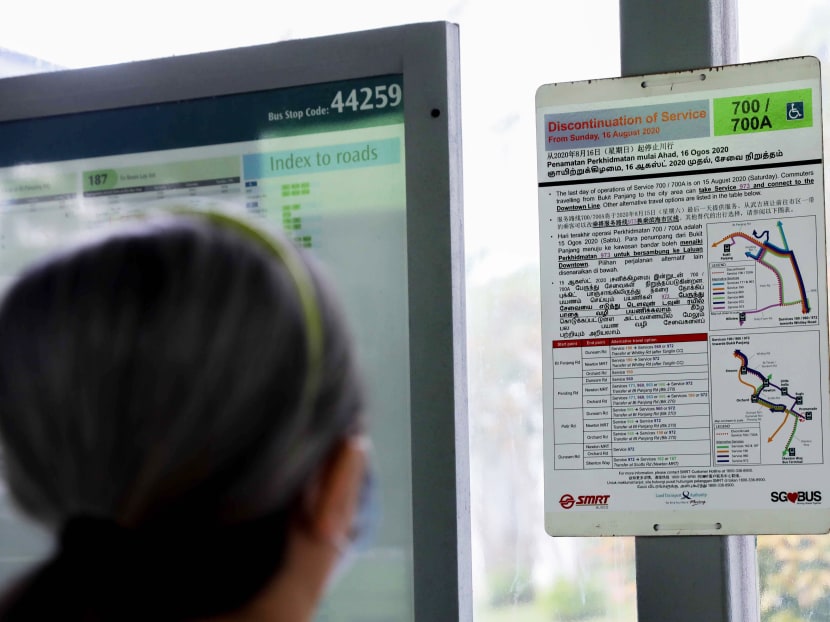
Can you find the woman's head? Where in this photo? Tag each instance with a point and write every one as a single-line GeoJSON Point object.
{"type": "Point", "coordinates": [185, 381]}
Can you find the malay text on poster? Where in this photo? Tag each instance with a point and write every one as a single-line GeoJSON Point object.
{"type": "Point", "coordinates": [684, 300]}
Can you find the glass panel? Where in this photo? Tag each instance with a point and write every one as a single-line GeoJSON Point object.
{"type": "Point", "coordinates": [794, 571]}
{"type": "Point", "coordinates": [519, 573]}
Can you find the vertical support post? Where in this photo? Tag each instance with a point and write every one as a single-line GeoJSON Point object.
{"type": "Point", "coordinates": [693, 578]}
{"type": "Point", "coordinates": [672, 36]}
{"type": "Point", "coordinates": [442, 552]}
{"type": "Point", "coordinates": [688, 578]}
{"type": "Point", "coordinates": [682, 579]}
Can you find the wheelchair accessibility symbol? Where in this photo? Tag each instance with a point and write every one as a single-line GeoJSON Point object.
{"type": "Point", "coordinates": [795, 111]}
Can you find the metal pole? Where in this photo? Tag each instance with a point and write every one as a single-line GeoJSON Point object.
{"type": "Point", "coordinates": [691, 578]}
{"type": "Point", "coordinates": [672, 36]}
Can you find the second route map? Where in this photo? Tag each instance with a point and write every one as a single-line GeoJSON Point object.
{"type": "Point", "coordinates": [765, 398]}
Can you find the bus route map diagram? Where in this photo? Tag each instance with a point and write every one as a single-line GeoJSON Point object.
{"type": "Point", "coordinates": [756, 277]}
{"type": "Point", "coordinates": [765, 399]}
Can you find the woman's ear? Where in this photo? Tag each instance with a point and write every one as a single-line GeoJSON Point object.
{"type": "Point", "coordinates": [333, 498]}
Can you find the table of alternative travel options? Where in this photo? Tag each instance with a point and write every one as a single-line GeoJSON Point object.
{"type": "Point", "coordinates": [631, 402]}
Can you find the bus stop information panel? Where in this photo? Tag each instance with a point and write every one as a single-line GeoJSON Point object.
{"type": "Point", "coordinates": [684, 303]}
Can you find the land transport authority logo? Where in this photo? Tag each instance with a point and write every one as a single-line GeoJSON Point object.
{"type": "Point", "coordinates": [567, 501]}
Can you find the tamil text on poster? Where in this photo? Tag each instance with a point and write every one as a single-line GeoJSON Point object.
{"type": "Point", "coordinates": [684, 303]}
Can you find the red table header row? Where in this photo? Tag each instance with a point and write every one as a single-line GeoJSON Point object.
{"type": "Point", "coordinates": [628, 341]}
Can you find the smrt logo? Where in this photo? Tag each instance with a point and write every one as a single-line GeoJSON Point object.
{"type": "Point", "coordinates": [567, 501]}
{"type": "Point", "coordinates": [802, 496]}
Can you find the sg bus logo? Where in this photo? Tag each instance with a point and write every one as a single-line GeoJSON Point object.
{"type": "Point", "coordinates": [802, 496]}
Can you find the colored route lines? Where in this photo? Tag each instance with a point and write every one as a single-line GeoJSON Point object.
{"type": "Point", "coordinates": [756, 278]}
{"type": "Point", "coordinates": [766, 398]}
{"type": "Point", "coordinates": [788, 408]}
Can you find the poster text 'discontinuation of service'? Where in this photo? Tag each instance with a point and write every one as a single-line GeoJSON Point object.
{"type": "Point", "coordinates": [684, 303]}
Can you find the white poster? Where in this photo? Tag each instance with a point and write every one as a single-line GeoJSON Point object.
{"type": "Point", "coordinates": [684, 303]}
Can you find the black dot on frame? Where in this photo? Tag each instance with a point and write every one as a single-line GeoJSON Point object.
{"type": "Point", "coordinates": [435, 113]}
